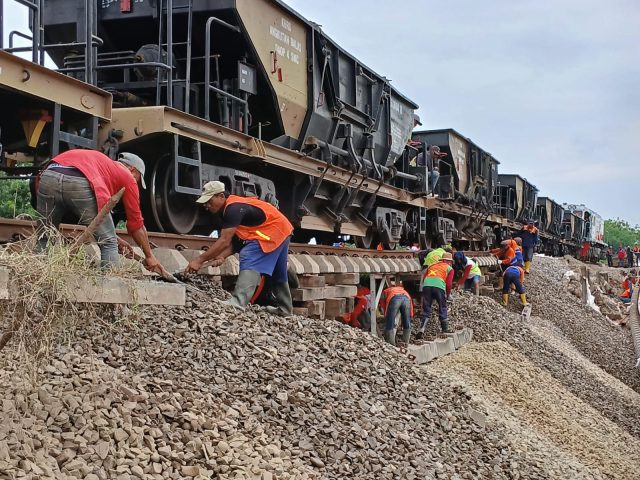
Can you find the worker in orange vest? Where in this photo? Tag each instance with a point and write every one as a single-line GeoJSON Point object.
{"type": "Point", "coordinates": [265, 232]}
{"type": "Point", "coordinates": [627, 286]}
{"type": "Point", "coordinates": [436, 285]}
{"type": "Point", "coordinates": [395, 301]}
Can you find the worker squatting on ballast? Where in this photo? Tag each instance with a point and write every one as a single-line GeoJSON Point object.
{"type": "Point", "coordinates": [470, 277]}
{"type": "Point", "coordinates": [265, 232]}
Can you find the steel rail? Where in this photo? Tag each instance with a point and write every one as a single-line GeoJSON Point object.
{"type": "Point", "coordinates": [14, 229]}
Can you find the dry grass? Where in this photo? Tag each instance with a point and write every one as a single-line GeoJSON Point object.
{"type": "Point", "coordinates": [41, 312]}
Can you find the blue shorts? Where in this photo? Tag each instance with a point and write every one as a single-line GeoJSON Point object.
{"type": "Point", "coordinates": [273, 263]}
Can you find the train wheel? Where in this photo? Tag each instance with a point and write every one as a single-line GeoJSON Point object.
{"type": "Point", "coordinates": [368, 241]}
{"type": "Point", "coordinates": [173, 212]}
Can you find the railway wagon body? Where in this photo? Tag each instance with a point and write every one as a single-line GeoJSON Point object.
{"type": "Point", "coordinates": [254, 66]}
{"type": "Point", "coordinates": [549, 215]}
{"type": "Point", "coordinates": [467, 176]}
{"type": "Point", "coordinates": [593, 231]}
{"type": "Point", "coordinates": [572, 227]}
{"type": "Point", "coordinates": [468, 173]}
{"type": "Point", "coordinates": [515, 198]}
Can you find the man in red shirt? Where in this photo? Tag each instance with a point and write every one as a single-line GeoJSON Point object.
{"type": "Point", "coordinates": [78, 183]}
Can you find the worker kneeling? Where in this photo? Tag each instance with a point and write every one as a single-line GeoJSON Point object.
{"type": "Point", "coordinates": [265, 232]}
{"type": "Point", "coordinates": [513, 275]}
{"type": "Point", "coordinates": [436, 285]}
{"type": "Point", "coordinates": [396, 301]}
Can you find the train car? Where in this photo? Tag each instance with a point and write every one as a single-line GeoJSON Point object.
{"type": "Point", "coordinates": [593, 245]}
{"type": "Point", "coordinates": [515, 198]}
{"type": "Point", "coordinates": [251, 93]}
{"type": "Point", "coordinates": [549, 215]}
{"type": "Point", "coordinates": [572, 228]}
{"type": "Point", "coordinates": [467, 176]}
{"type": "Point", "coordinates": [254, 67]}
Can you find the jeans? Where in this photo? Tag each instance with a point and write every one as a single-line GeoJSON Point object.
{"type": "Point", "coordinates": [512, 278]}
{"type": "Point", "coordinates": [399, 304]}
{"type": "Point", "coordinates": [609, 261]}
{"type": "Point", "coordinates": [60, 195]}
{"type": "Point", "coordinates": [527, 253]}
{"type": "Point", "coordinates": [434, 176]}
{"type": "Point", "coordinates": [429, 294]}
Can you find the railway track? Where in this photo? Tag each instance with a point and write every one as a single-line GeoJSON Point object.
{"type": "Point", "coordinates": [16, 229]}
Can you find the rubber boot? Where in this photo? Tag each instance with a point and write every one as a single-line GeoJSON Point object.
{"type": "Point", "coordinates": [406, 336]}
{"type": "Point", "coordinates": [505, 299]}
{"type": "Point", "coordinates": [423, 328]}
{"type": "Point", "coordinates": [390, 337]}
{"type": "Point", "coordinates": [248, 281]}
{"type": "Point", "coordinates": [282, 293]}
{"type": "Point", "coordinates": [523, 299]}
{"type": "Point", "coordinates": [444, 324]}
{"type": "Point", "coordinates": [527, 267]}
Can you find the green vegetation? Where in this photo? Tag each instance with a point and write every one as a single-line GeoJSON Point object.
{"type": "Point", "coordinates": [618, 232]}
{"type": "Point", "coordinates": [15, 198]}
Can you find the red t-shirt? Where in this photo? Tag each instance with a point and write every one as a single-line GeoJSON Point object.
{"type": "Point", "coordinates": [107, 177]}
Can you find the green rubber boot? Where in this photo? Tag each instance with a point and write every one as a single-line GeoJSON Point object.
{"type": "Point", "coordinates": [248, 281]}
{"type": "Point", "coordinates": [282, 293]}
{"type": "Point", "coordinates": [406, 336]}
{"type": "Point", "coordinates": [390, 337]}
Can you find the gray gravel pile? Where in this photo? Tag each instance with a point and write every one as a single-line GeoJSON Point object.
{"type": "Point", "coordinates": [606, 345]}
{"type": "Point", "coordinates": [208, 392]}
{"type": "Point", "coordinates": [547, 344]}
{"type": "Point", "coordinates": [534, 407]}
{"type": "Point", "coordinates": [205, 391]}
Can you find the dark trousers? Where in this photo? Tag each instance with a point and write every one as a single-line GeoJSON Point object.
{"type": "Point", "coordinates": [399, 305]}
{"type": "Point", "coordinates": [609, 260]}
{"type": "Point", "coordinates": [512, 278]}
{"type": "Point", "coordinates": [527, 253]}
{"type": "Point", "coordinates": [429, 294]}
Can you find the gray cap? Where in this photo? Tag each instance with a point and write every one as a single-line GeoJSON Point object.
{"type": "Point", "coordinates": [416, 119]}
{"type": "Point", "coordinates": [209, 190]}
{"type": "Point", "coordinates": [134, 161]}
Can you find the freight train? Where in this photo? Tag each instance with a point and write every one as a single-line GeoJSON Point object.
{"type": "Point", "coordinates": [251, 93]}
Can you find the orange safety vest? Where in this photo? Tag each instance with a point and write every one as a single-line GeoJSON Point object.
{"type": "Point", "coordinates": [440, 269]}
{"type": "Point", "coordinates": [389, 293]}
{"type": "Point", "coordinates": [272, 232]}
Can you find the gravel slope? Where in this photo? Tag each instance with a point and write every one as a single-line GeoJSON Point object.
{"type": "Point", "coordinates": [208, 392]}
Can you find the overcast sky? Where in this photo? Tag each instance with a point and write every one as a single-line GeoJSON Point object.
{"type": "Point", "coordinates": [550, 87]}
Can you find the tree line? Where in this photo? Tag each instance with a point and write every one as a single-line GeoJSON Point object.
{"type": "Point", "coordinates": [619, 231]}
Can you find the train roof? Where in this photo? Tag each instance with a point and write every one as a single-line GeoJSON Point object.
{"type": "Point", "coordinates": [515, 175]}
